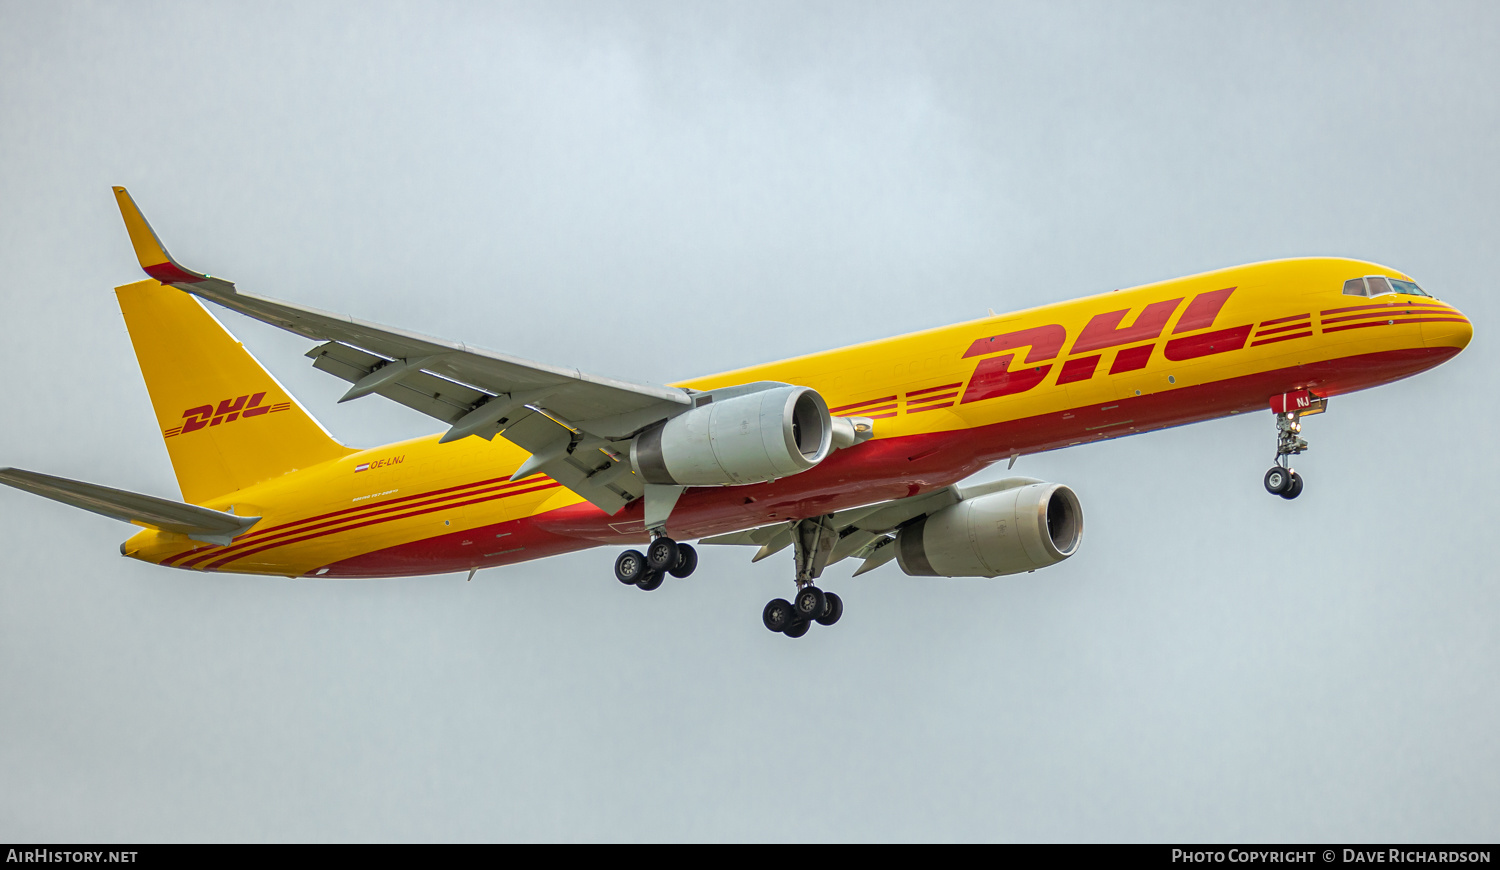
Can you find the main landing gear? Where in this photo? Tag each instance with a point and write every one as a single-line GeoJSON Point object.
{"type": "Point", "coordinates": [1281, 479]}
{"type": "Point", "coordinates": [813, 539]}
{"type": "Point", "coordinates": [794, 618]}
{"type": "Point", "coordinates": [649, 570]}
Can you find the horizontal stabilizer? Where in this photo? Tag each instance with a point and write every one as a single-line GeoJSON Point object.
{"type": "Point", "coordinates": [198, 523]}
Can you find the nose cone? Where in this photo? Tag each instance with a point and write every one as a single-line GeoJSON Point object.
{"type": "Point", "coordinates": [1450, 330]}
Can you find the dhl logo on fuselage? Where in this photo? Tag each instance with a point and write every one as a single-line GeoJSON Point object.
{"type": "Point", "coordinates": [994, 377]}
{"type": "Point", "coordinates": [228, 411]}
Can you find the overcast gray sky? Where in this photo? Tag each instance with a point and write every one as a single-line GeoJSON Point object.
{"type": "Point", "coordinates": [658, 190]}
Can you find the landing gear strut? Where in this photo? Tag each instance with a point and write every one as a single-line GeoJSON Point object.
{"type": "Point", "coordinates": [813, 539]}
{"type": "Point", "coordinates": [649, 570]}
{"type": "Point", "coordinates": [1281, 479]}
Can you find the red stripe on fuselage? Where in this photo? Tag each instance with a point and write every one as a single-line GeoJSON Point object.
{"type": "Point", "coordinates": [240, 546]}
{"type": "Point", "coordinates": [338, 516]}
{"type": "Point", "coordinates": [375, 521]}
{"type": "Point", "coordinates": [1303, 325]}
{"type": "Point", "coordinates": [1425, 306]}
{"type": "Point", "coordinates": [925, 399]}
{"type": "Point", "coordinates": [1285, 319]}
{"type": "Point", "coordinates": [953, 386]}
{"type": "Point", "coordinates": [1281, 338]}
{"type": "Point", "coordinates": [843, 408]}
{"type": "Point", "coordinates": [1389, 322]}
{"type": "Point", "coordinates": [1388, 313]}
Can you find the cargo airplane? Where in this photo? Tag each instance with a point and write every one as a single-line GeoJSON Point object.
{"type": "Point", "coordinates": [849, 453]}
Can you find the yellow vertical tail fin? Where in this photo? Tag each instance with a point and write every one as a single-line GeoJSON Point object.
{"type": "Point", "coordinates": [227, 422]}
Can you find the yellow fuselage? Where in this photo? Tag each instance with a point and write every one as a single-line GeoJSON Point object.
{"type": "Point", "coordinates": [945, 402]}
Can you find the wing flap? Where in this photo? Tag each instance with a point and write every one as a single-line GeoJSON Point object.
{"type": "Point", "coordinates": [198, 523]}
{"type": "Point", "coordinates": [437, 397]}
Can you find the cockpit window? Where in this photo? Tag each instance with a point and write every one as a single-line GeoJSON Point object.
{"type": "Point", "coordinates": [1407, 287]}
{"type": "Point", "coordinates": [1379, 285]}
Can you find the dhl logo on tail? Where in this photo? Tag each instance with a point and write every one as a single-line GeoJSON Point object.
{"type": "Point", "coordinates": [228, 411]}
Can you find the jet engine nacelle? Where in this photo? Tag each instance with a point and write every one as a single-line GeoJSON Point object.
{"type": "Point", "coordinates": [1004, 532]}
{"type": "Point", "coordinates": [748, 438]}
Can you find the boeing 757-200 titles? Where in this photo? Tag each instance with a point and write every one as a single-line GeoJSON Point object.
{"type": "Point", "coordinates": [855, 452]}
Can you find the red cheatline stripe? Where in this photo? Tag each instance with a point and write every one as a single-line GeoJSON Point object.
{"type": "Point", "coordinates": [349, 513]}
{"type": "Point", "coordinates": [243, 544]}
{"type": "Point", "coordinates": [875, 410]}
{"type": "Point", "coordinates": [385, 505]}
{"type": "Point", "coordinates": [932, 389]}
{"type": "Point", "coordinates": [373, 522]}
{"type": "Point", "coordinates": [1386, 315]}
{"type": "Point", "coordinates": [926, 399]}
{"type": "Point", "coordinates": [880, 416]}
{"type": "Point", "coordinates": [862, 404]}
{"type": "Point", "coordinates": [1280, 338]}
{"type": "Point", "coordinates": [929, 407]}
{"type": "Point", "coordinates": [1284, 319]}
{"type": "Point", "coordinates": [1303, 325]}
{"type": "Point", "coordinates": [167, 562]}
{"type": "Point", "coordinates": [1418, 307]}
{"type": "Point", "coordinates": [1386, 323]}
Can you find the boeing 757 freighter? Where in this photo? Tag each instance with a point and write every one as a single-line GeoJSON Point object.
{"type": "Point", "coordinates": [848, 453]}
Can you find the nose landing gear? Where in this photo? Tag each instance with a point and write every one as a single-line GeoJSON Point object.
{"type": "Point", "coordinates": [1290, 408]}
{"type": "Point", "coordinates": [1283, 482]}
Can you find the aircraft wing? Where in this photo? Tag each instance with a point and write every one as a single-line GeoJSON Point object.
{"type": "Point", "coordinates": [567, 419]}
{"type": "Point", "coordinates": [867, 532]}
{"type": "Point", "coordinates": [198, 523]}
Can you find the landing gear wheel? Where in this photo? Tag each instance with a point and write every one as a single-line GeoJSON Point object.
{"type": "Point", "coordinates": [1278, 480]}
{"type": "Point", "coordinates": [687, 561]}
{"type": "Point", "coordinates": [629, 567]}
{"type": "Point", "coordinates": [661, 554]}
{"type": "Point", "coordinates": [777, 615]}
{"type": "Point", "coordinates": [1294, 489]}
{"type": "Point", "coordinates": [832, 609]}
{"type": "Point", "coordinates": [651, 580]}
{"type": "Point", "coordinates": [809, 603]}
{"type": "Point", "coordinates": [798, 628]}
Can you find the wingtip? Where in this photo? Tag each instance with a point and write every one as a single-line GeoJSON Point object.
{"type": "Point", "coordinates": [149, 251]}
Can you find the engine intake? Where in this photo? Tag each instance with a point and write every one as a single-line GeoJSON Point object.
{"type": "Point", "coordinates": [1004, 532]}
{"type": "Point", "coordinates": [751, 438]}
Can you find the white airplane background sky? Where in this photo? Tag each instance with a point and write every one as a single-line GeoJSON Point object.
{"type": "Point", "coordinates": [658, 190]}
